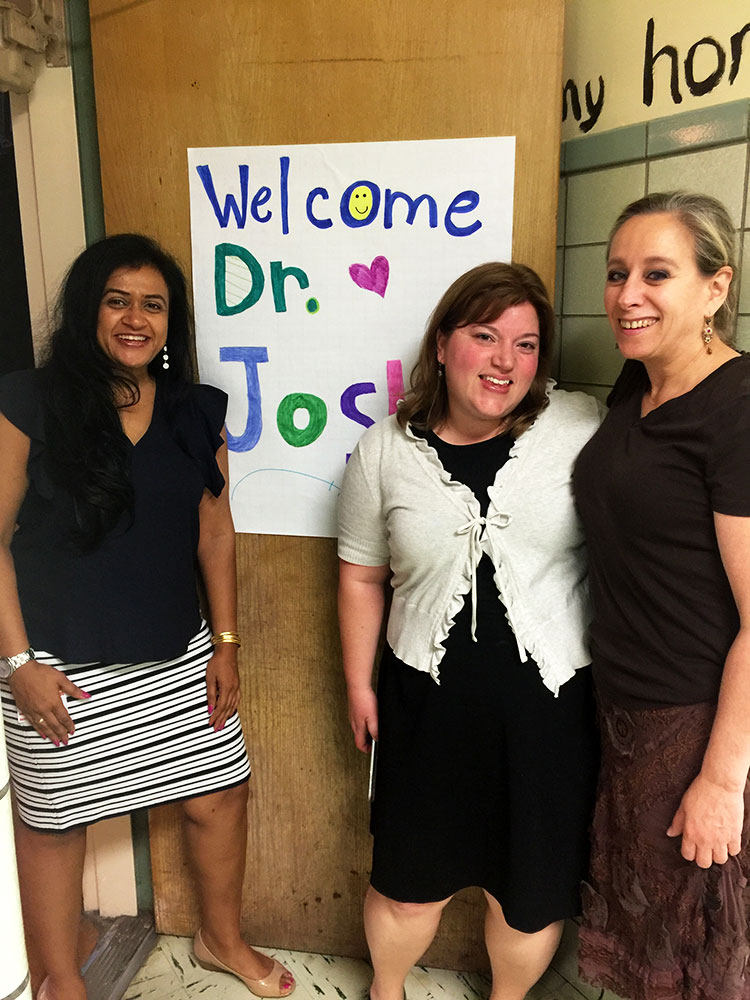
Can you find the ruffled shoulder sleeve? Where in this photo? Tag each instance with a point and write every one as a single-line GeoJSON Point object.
{"type": "Point", "coordinates": [197, 425]}
{"type": "Point", "coordinates": [21, 402]}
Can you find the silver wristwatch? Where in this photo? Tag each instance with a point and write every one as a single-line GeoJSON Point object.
{"type": "Point", "coordinates": [9, 664]}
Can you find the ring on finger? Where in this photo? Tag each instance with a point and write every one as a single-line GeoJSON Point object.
{"type": "Point", "coordinates": [41, 722]}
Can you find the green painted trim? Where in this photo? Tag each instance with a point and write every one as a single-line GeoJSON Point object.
{"type": "Point", "coordinates": [694, 130]}
{"type": "Point", "coordinates": [620, 145]}
{"type": "Point", "coordinates": [79, 34]}
{"type": "Point", "coordinates": [688, 131]}
{"type": "Point", "coordinates": [562, 207]}
{"type": "Point", "coordinates": [144, 884]}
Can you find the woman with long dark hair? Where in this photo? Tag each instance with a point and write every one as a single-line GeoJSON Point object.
{"type": "Point", "coordinates": [116, 695]}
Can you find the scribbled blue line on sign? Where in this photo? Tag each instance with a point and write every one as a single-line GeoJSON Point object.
{"type": "Point", "coordinates": [291, 472]}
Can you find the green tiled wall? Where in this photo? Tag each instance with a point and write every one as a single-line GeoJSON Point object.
{"type": "Point", "coordinates": [745, 275]}
{"type": "Point", "coordinates": [702, 151]}
{"type": "Point", "coordinates": [719, 172]}
{"type": "Point", "coordinates": [582, 291]}
{"type": "Point", "coordinates": [588, 353]}
{"type": "Point", "coordinates": [590, 198]}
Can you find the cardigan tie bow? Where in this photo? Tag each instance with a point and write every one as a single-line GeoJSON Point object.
{"type": "Point", "coordinates": [473, 529]}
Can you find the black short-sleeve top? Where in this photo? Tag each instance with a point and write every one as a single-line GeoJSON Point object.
{"type": "Point", "coordinates": [134, 598]}
{"type": "Point", "coordinates": [647, 489]}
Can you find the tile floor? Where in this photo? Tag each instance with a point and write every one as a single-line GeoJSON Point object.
{"type": "Point", "coordinates": [171, 973]}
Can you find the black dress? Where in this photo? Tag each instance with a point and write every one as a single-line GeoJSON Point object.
{"type": "Point", "coordinates": [485, 779]}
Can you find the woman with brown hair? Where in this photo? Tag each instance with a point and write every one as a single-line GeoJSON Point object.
{"type": "Point", "coordinates": [483, 715]}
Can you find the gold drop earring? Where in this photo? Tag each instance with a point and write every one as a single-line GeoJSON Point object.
{"type": "Point", "coordinates": [708, 333]}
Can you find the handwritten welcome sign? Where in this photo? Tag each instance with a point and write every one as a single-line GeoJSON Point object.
{"type": "Point", "coordinates": [314, 271]}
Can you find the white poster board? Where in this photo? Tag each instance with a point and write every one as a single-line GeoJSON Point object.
{"type": "Point", "coordinates": [315, 269]}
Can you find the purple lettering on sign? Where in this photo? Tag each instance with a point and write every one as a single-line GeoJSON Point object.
{"type": "Point", "coordinates": [348, 404]}
{"type": "Point", "coordinates": [395, 377]}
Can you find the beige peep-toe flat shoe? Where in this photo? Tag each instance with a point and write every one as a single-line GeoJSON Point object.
{"type": "Point", "coordinates": [269, 986]}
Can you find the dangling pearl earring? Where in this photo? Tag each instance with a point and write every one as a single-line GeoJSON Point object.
{"type": "Point", "coordinates": [707, 334]}
{"type": "Point", "coordinates": [165, 358]}
{"type": "Point", "coordinates": [440, 369]}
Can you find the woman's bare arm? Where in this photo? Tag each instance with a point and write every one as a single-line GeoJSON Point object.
{"type": "Point", "coordinates": [711, 813]}
{"type": "Point", "coordinates": [361, 600]}
{"type": "Point", "coordinates": [217, 560]}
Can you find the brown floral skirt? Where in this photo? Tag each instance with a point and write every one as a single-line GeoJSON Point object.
{"type": "Point", "coordinates": [656, 927]}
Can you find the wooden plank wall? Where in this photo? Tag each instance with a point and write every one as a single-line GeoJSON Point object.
{"type": "Point", "coordinates": [176, 73]}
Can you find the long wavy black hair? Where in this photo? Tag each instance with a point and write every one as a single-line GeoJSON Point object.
{"type": "Point", "coordinates": [87, 453]}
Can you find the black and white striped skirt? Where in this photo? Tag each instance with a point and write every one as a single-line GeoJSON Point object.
{"type": "Point", "coordinates": [142, 739]}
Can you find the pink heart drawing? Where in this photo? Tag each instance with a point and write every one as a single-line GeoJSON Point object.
{"type": "Point", "coordinates": [373, 278]}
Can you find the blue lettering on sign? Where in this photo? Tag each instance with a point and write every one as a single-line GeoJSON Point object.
{"type": "Point", "coordinates": [359, 204]}
{"type": "Point", "coordinates": [251, 357]}
{"type": "Point", "coordinates": [411, 212]}
{"type": "Point", "coordinates": [319, 192]}
{"type": "Point", "coordinates": [230, 202]}
{"type": "Point", "coordinates": [261, 196]}
{"type": "Point", "coordinates": [466, 201]}
{"type": "Point", "coordinates": [284, 168]}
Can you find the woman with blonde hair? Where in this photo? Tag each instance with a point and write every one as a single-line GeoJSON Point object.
{"type": "Point", "coordinates": [664, 494]}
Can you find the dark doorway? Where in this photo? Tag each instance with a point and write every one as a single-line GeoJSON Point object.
{"type": "Point", "coordinates": [16, 348]}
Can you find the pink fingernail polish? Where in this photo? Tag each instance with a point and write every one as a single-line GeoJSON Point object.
{"type": "Point", "coordinates": [85, 693]}
{"type": "Point", "coordinates": [210, 709]}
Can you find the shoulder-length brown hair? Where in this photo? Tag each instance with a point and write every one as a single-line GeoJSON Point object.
{"type": "Point", "coordinates": [479, 296]}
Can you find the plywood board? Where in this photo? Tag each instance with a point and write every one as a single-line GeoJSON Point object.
{"type": "Point", "coordinates": [178, 73]}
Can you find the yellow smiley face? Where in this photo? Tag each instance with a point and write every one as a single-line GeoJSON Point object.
{"type": "Point", "coordinates": [360, 202]}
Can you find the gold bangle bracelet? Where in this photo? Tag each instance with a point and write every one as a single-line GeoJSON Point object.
{"type": "Point", "coordinates": [219, 637]}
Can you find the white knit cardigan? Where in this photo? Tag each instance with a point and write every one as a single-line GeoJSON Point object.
{"type": "Point", "coordinates": [399, 506]}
